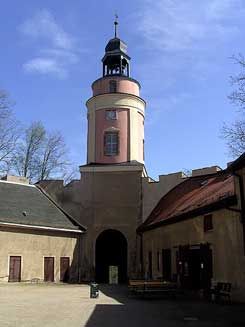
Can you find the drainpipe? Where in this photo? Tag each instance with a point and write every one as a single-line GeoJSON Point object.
{"type": "Point", "coordinates": [242, 211]}
{"type": "Point", "coordinates": [141, 255]}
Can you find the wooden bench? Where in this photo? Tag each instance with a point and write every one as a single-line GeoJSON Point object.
{"type": "Point", "coordinates": [222, 290]}
{"type": "Point", "coordinates": [152, 287]}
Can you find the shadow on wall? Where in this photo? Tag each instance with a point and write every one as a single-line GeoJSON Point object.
{"type": "Point", "coordinates": [74, 274]}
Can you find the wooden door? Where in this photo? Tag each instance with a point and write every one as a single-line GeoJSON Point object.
{"type": "Point", "coordinates": [48, 269]}
{"type": "Point", "coordinates": [15, 269]}
{"type": "Point", "coordinates": [166, 264]}
{"type": "Point", "coordinates": [64, 269]}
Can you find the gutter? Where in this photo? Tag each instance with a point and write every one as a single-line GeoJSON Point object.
{"type": "Point", "coordinates": [23, 226]}
{"type": "Point", "coordinates": [241, 189]}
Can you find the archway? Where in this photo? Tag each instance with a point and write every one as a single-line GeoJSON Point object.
{"type": "Point", "coordinates": [111, 250]}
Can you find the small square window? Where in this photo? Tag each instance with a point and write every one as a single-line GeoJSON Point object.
{"type": "Point", "coordinates": [113, 86]}
{"type": "Point", "coordinates": [111, 114]}
{"type": "Point", "coordinates": [208, 223]}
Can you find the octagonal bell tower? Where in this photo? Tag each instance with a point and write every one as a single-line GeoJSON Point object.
{"type": "Point", "coordinates": [116, 112]}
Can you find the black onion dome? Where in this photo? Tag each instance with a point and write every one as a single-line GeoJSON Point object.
{"type": "Point", "coordinates": [115, 45]}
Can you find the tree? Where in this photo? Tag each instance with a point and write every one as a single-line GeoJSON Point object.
{"type": "Point", "coordinates": [235, 133]}
{"type": "Point", "coordinates": [40, 155]}
{"type": "Point", "coordinates": [28, 151]}
{"type": "Point", "coordinates": [9, 133]}
{"type": "Point", "coordinates": [53, 157]}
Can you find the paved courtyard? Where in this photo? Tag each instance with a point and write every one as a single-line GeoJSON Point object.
{"type": "Point", "coordinates": [70, 306]}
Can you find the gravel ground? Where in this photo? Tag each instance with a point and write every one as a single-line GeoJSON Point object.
{"type": "Point", "coordinates": [39, 305]}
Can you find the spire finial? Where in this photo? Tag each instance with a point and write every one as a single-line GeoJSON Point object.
{"type": "Point", "coordinates": [116, 23]}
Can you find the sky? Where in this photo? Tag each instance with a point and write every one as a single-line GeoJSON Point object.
{"type": "Point", "coordinates": [181, 54]}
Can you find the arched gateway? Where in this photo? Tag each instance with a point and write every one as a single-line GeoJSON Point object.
{"type": "Point", "coordinates": [111, 250]}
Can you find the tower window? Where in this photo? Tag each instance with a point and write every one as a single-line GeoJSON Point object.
{"type": "Point", "coordinates": [111, 143]}
{"type": "Point", "coordinates": [111, 114]}
{"type": "Point", "coordinates": [113, 86]}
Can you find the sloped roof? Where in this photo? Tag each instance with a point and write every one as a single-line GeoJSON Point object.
{"type": "Point", "coordinates": [28, 205]}
{"type": "Point", "coordinates": [193, 196]}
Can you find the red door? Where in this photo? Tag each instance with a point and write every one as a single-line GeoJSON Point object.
{"type": "Point", "coordinates": [14, 269]}
{"type": "Point", "coordinates": [64, 269]}
{"type": "Point", "coordinates": [48, 269]}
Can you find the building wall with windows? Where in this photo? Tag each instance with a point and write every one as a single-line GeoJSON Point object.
{"type": "Point", "coordinates": [225, 240]}
{"type": "Point", "coordinates": [32, 247]}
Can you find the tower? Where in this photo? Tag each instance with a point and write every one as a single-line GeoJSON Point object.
{"type": "Point", "coordinates": [115, 111]}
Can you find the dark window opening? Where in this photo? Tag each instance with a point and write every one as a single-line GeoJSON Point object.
{"type": "Point", "coordinates": [113, 86]}
{"type": "Point", "coordinates": [208, 223]}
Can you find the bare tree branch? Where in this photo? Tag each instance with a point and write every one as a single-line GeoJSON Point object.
{"type": "Point", "coordinates": [235, 137]}
{"type": "Point", "coordinates": [237, 97]}
{"type": "Point", "coordinates": [9, 133]}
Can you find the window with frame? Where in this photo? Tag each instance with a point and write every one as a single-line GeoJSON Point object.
{"type": "Point", "coordinates": [113, 86]}
{"type": "Point", "coordinates": [111, 114]}
{"type": "Point", "coordinates": [208, 223]}
{"type": "Point", "coordinates": [111, 143]}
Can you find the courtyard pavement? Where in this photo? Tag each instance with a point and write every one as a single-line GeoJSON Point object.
{"type": "Point", "coordinates": [39, 305]}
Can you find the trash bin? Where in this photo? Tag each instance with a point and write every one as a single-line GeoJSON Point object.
{"type": "Point", "coordinates": [94, 290]}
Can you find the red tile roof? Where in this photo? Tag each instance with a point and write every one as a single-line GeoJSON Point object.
{"type": "Point", "coordinates": [190, 196]}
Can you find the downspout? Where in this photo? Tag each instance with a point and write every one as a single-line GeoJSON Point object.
{"type": "Point", "coordinates": [141, 255]}
{"type": "Point", "coordinates": [242, 211]}
{"type": "Point", "coordinates": [79, 258]}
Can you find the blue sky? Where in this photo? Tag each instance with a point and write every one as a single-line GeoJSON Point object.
{"type": "Point", "coordinates": [51, 52]}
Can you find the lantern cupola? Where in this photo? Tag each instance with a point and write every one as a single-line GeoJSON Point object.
{"type": "Point", "coordinates": [116, 61]}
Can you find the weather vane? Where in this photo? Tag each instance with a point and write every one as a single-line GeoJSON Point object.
{"type": "Point", "coordinates": [116, 23]}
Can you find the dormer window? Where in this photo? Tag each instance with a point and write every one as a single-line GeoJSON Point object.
{"type": "Point", "coordinates": [111, 114]}
{"type": "Point", "coordinates": [111, 143]}
{"type": "Point", "coordinates": [113, 86]}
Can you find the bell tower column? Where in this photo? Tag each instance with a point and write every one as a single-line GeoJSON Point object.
{"type": "Point", "coordinates": [115, 111]}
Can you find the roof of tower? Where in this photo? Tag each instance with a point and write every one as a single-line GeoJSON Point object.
{"type": "Point", "coordinates": [116, 46]}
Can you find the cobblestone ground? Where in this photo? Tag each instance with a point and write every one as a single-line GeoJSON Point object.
{"type": "Point", "coordinates": [70, 306]}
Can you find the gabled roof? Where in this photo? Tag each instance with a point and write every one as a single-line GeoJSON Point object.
{"type": "Point", "coordinates": [30, 206]}
{"type": "Point", "coordinates": [194, 196]}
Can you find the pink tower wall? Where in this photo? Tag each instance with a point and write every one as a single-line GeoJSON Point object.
{"type": "Point", "coordinates": [101, 125]}
{"type": "Point", "coordinates": [124, 85]}
{"type": "Point", "coordinates": [122, 123]}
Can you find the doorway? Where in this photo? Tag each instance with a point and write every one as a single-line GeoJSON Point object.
{"type": "Point", "coordinates": [166, 264]}
{"type": "Point", "coordinates": [111, 250]}
{"type": "Point", "coordinates": [64, 269]}
{"type": "Point", "coordinates": [48, 269]}
{"type": "Point", "coordinates": [15, 269]}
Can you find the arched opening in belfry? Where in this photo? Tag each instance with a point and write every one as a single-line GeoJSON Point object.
{"type": "Point", "coordinates": [111, 257]}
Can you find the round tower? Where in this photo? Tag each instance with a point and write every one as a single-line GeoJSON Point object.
{"type": "Point", "coordinates": [116, 112]}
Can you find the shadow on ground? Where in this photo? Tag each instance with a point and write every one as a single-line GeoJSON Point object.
{"type": "Point", "coordinates": [135, 311]}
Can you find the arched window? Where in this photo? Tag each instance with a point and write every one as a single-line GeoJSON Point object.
{"type": "Point", "coordinates": [111, 143]}
{"type": "Point", "coordinates": [113, 86]}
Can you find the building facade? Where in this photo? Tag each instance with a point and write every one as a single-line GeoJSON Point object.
{"type": "Point", "coordinates": [39, 241]}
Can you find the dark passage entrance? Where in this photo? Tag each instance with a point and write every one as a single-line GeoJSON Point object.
{"type": "Point", "coordinates": [111, 250]}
